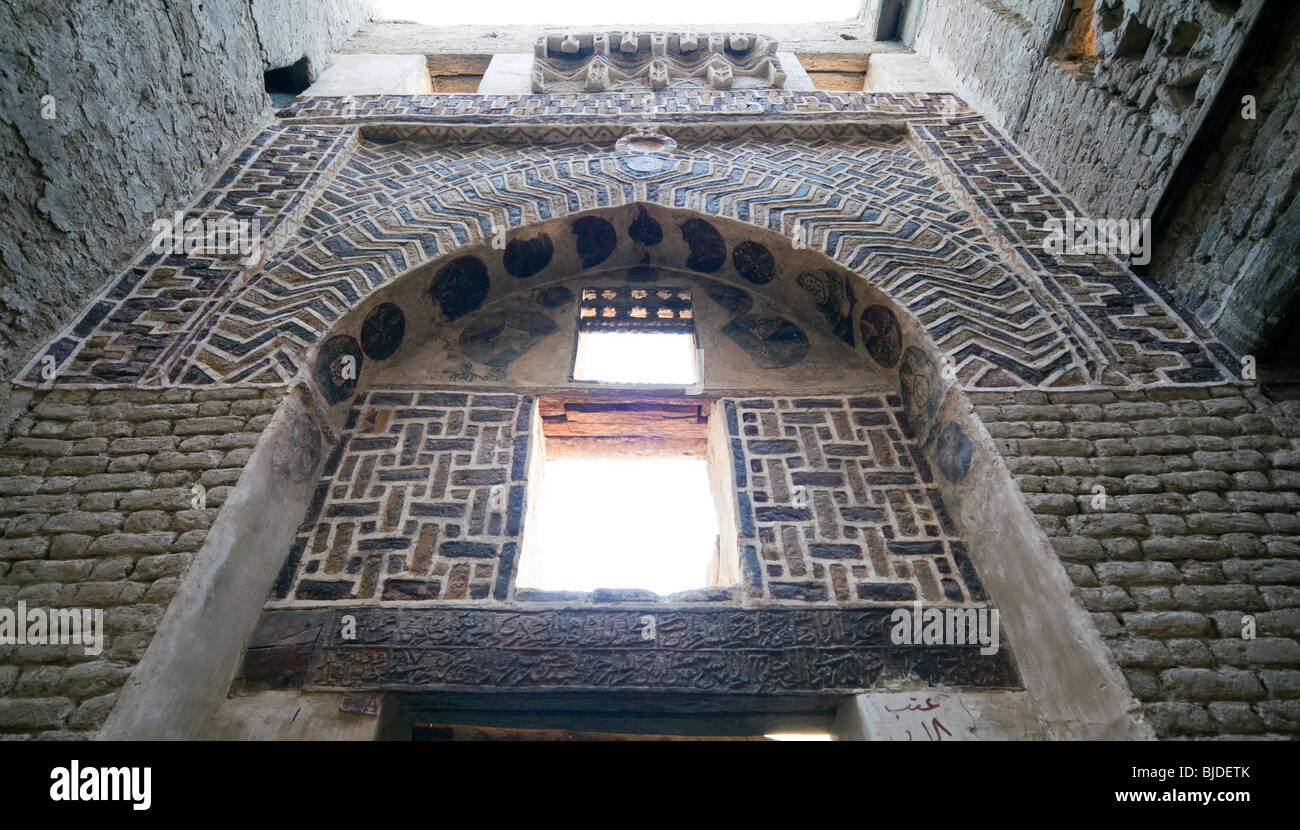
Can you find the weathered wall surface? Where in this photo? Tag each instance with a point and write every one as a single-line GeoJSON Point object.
{"type": "Point", "coordinates": [1230, 250]}
{"type": "Point", "coordinates": [1200, 528]}
{"type": "Point", "coordinates": [147, 98]}
{"type": "Point", "coordinates": [1124, 118]}
{"type": "Point", "coordinates": [288, 30]}
{"type": "Point", "coordinates": [97, 511]}
{"type": "Point", "coordinates": [1113, 128]}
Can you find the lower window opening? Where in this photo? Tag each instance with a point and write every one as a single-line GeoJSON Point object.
{"type": "Point", "coordinates": [625, 523]}
{"type": "Point", "coordinates": [628, 494]}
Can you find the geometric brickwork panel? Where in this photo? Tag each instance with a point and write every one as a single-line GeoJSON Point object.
{"type": "Point", "coordinates": [1119, 319]}
{"type": "Point", "coordinates": [840, 504]}
{"type": "Point", "coordinates": [942, 214]}
{"type": "Point", "coordinates": [422, 499]}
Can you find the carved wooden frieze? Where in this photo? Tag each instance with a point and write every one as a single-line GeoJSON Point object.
{"type": "Point", "coordinates": [731, 651]}
{"type": "Point", "coordinates": [596, 62]}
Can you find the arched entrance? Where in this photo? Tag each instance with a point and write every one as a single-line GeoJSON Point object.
{"type": "Point", "coordinates": [462, 331]}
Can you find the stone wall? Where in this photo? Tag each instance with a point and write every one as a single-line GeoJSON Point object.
{"type": "Point", "coordinates": [1199, 528]}
{"type": "Point", "coordinates": [1123, 117]}
{"type": "Point", "coordinates": [147, 100]}
{"type": "Point", "coordinates": [97, 511]}
{"type": "Point", "coordinates": [1164, 77]}
{"type": "Point", "coordinates": [1230, 249]}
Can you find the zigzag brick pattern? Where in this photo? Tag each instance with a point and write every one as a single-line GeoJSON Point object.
{"type": "Point", "coordinates": [941, 213]}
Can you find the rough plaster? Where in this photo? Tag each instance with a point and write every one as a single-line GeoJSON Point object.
{"type": "Point", "coordinates": [288, 716]}
{"type": "Point", "coordinates": [926, 714]}
{"type": "Point", "coordinates": [147, 102]}
{"type": "Point", "coordinates": [1130, 116]}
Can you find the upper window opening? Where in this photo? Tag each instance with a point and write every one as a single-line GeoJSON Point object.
{"type": "Point", "coordinates": [597, 12]}
{"type": "Point", "coordinates": [636, 358]}
{"type": "Point", "coordinates": [636, 336]}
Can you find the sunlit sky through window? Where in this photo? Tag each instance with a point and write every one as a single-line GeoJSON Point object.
{"type": "Point", "coordinates": [602, 12]}
{"type": "Point", "coordinates": [636, 357]}
{"type": "Point", "coordinates": [623, 523]}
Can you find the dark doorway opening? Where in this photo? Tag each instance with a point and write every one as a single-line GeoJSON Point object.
{"type": "Point", "coordinates": [285, 83]}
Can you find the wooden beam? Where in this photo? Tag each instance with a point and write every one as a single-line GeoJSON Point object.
{"type": "Point", "coordinates": [624, 447]}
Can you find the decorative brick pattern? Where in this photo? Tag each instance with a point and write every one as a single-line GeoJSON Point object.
{"type": "Point", "coordinates": [950, 224]}
{"type": "Point", "coordinates": [837, 503]}
{"type": "Point", "coordinates": [628, 107]}
{"type": "Point", "coordinates": [158, 306]}
{"type": "Point", "coordinates": [97, 511]}
{"type": "Point", "coordinates": [1200, 528]}
{"type": "Point", "coordinates": [1119, 320]}
{"type": "Point", "coordinates": [422, 499]}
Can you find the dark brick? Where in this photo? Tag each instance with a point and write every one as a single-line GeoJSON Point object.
{"type": "Point", "coordinates": [886, 591]}
{"type": "Point", "coordinates": [361, 444]}
{"type": "Point", "coordinates": [783, 514]}
{"type": "Point", "coordinates": [777, 447]}
{"type": "Point", "coordinates": [863, 514]}
{"type": "Point", "coordinates": [806, 591]}
{"type": "Point", "coordinates": [476, 550]}
{"type": "Point", "coordinates": [398, 589]}
{"type": "Point", "coordinates": [891, 478]}
{"type": "Point", "coordinates": [479, 477]}
{"type": "Point", "coordinates": [915, 548]}
{"type": "Point", "coordinates": [818, 403]}
{"type": "Point", "coordinates": [446, 511]}
{"type": "Point", "coordinates": [369, 509]}
{"type": "Point", "coordinates": [440, 444]}
{"type": "Point", "coordinates": [503, 401]}
{"type": "Point", "coordinates": [835, 551]}
{"type": "Point", "coordinates": [819, 479]}
{"type": "Point", "coordinates": [804, 417]}
{"type": "Point", "coordinates": [846, 450]}
{"type": "Point", "coordinates": [320, 589]}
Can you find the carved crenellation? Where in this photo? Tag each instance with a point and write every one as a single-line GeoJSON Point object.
{"type": "Point", "coordinates": [601, 61]}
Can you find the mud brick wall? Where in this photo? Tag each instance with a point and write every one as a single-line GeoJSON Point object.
{"type": "Point", "coordinates": [841, 505]}
{"type": "Point", "coordinates": [96, 512]}
{"type": "Point", "coordinates": [1199, 529]}
{"type": "Point", "coordinates": [406, 508]}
